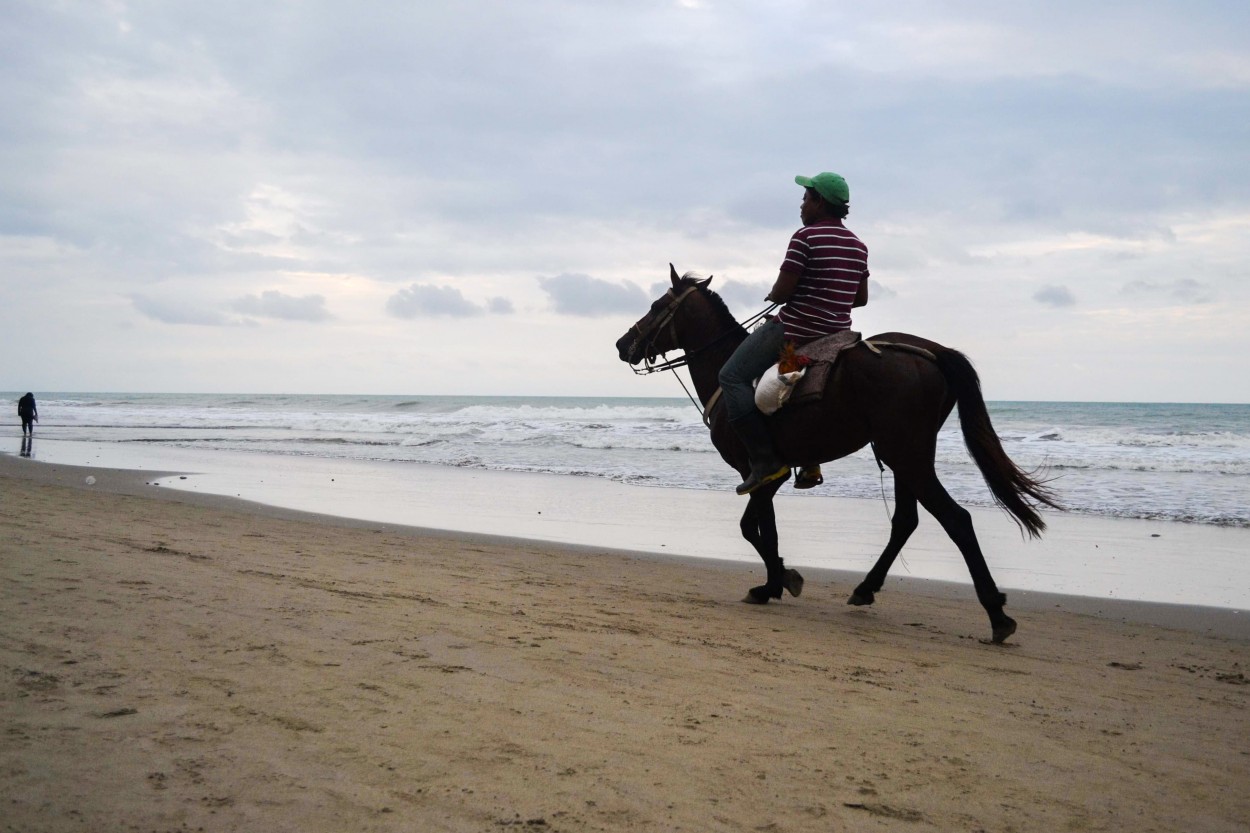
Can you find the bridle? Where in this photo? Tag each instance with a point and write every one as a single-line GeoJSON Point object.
{"type": "Point", "coordinates": [646, 338]}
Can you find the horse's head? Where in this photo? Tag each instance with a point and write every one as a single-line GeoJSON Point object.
{"type": "Point", "coordinates": [657, 331]}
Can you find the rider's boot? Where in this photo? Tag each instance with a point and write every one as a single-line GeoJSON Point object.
{"type": "Point", "coordinates": [766, 466]}
{"type": "Point", "coordinates": [808, 477]}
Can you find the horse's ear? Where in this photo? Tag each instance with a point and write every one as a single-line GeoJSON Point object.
{"type": "Point", "coordinates": [703, 283]}
{"type": "Point", "coordinates": [673, 273]}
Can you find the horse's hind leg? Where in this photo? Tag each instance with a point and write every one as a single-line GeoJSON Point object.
{"type": "Point", "coordinates": [903, 524]}
{"type": "Point", "coordinates": [958, 525]}
{"type": "Point", "coordinates": [759, 527]}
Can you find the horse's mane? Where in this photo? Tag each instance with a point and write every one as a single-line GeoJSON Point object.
{"type": "Point", "coordinates": [717, 302]}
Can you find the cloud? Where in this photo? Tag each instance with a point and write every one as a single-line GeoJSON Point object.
{"type": "Point", "coordinates": [151, 155]}
{"type": "Point", "coordinates": [743, 294]}
{"type": "Point", "coordinates": [577, 294]}
{"type": "Point", "coordinates": [499, 306]}
{"type": "Point", "coordinates": [425, 301]}
{"type": "Point", "coordinates": [1055, 296]}
{"type": "Point", "coordinates": [172, 312]}
{"type": "Point", "coordinates": [273, 304]}
{"type": "Point", "coordinates": [878, 291]}
{"type": "Point", "coordinates": [1184, 290]}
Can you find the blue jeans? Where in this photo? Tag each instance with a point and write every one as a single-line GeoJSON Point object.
{"type": "Point", "coordinates": [759, 352]}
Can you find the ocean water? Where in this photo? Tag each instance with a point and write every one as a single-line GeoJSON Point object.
{"type": "Point", "coordinates": [1173, 462]}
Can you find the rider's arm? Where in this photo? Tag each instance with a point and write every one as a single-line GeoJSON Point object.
{"type": "Point", "coordinates": [861, 294]}
{"type": "Point", "coordinates": [786, 283]}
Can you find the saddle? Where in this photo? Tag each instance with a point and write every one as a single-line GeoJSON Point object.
{"type": "Point", "coordinates": [823, 352]}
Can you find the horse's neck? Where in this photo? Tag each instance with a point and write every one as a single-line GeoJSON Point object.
{"type": "Point", "coordinates": [705, 365]}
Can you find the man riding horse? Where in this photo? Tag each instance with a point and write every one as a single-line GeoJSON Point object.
{"type": "Point", "coordinates": [893, 392]}
{"type": "Point", "coordinates": [824, 275]}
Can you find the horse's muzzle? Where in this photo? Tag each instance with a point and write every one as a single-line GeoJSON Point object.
{"type": "Point", "coordinates": [627, 347]}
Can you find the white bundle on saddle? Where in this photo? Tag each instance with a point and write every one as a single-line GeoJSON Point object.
{"type": "Point", "coordinates": [774, 388]}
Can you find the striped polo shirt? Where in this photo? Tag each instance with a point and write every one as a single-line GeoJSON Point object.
{"type": "Point", "coordinates": [831, 262]}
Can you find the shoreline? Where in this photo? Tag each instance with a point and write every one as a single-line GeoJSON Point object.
{"type": "Point", "coordinates": [1212, 620]}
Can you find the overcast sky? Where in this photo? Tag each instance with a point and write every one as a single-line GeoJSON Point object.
{"type": "Point", "coordinates": [480, 197]}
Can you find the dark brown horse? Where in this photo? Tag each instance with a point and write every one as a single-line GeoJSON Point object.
{"type": "Point", "coordinates": [897, 399]}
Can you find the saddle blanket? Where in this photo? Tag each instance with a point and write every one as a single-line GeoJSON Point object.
{"type": "Point", "coordinates": [823, 352]}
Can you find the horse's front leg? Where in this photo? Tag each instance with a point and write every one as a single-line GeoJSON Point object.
{"type": "Point", "coordinates": [759, 527]}
{"type": "Point", "coordinates": [906, 519]}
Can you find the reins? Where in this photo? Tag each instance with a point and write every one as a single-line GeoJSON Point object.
{"type": "Point", "coordinates": [650, 365]}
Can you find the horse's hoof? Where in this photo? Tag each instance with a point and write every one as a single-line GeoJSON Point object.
{"type": "Point", "coordinates": [793, 582]}
{"type": "Point", "coordinates": [757, 595]}
{"type": "Point", "coordinates": [1004, 629]}
{"type": "Point", "coordinates": [861, 599]}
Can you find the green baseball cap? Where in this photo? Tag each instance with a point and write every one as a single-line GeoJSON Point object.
{"type": "Point", "coordinates": [830, 186]}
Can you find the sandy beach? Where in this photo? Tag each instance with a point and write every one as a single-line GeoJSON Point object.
{"type": "Point", "coordinates": [176, 660]}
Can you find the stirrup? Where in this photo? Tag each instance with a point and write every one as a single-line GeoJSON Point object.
{"type": "Point", "coordinates": [808, 477]}
{"type": "Point", "coordinates": [752, 483]}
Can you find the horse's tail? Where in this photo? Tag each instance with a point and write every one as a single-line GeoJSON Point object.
{"type": "Point", "coordinates": [1014, 489]}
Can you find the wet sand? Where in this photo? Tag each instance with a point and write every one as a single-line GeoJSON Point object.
{"type": "Point", "coordinates": [1103, 558]}
{"type": "Point", "coordinates": [175, 660]}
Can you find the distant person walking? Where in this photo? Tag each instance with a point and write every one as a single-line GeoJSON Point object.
{"type": "Point", "coordinates": [28, 412]}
